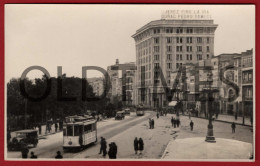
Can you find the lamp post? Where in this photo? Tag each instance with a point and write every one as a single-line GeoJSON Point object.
{"type": "Point", "coordinates": [208, 91]}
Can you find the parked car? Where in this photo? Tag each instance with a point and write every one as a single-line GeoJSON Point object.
{"type": "Point", "coordinates": [23, 137]}
{"type": "Point", "coordinates": [120, 115]}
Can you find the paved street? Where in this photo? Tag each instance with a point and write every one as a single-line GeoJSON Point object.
{"type": "Point", "coordinates": [155, 140]}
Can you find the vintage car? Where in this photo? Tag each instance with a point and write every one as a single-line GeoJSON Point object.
{"type": "Point", "coordinates": [23, 138]}
{"type": "Point", "coordinates": [127, 111]}
{"type": "Point", "coordinates": [120, 115]}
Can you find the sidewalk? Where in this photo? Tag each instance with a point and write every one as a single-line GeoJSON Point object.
{"type": "Point", "coordinates": [198, 149]}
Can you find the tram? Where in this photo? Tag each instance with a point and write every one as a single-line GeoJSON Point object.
{"type": "Point", "coordinates": [79, 131]}
{"type": "Point", "coordinates": [139, 111]}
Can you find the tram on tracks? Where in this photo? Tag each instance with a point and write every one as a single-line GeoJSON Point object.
{"type": "Point", "coordinates": [79, 131]}
{"type": "Point", "coordinates": [139, 110]}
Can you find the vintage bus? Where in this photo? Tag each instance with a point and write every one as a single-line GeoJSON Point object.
{"type": "Point", "coordinates": [79, 131]}
{"type": "Point", "coordinates": [139, 110]}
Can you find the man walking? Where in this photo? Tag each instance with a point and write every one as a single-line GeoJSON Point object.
{"type": "Point", "coordinates": [136, 145]}
{"type": "Point", "coordinates": [152, 122]}
{"type": "Point", "coordinates": [56, 127]}
{"type": "Point", "coordinates": [233, 126]}
{"type": "Point", "coordinates": [172, 121]}
{"type": "Point", "coordinates": [104, 147]}
{"type": "Point", "coordinates": [141, 145]}
{"type": "Point", "coordinates": [101, 148]}
{"type": "Point", "coordinates": [33, 156]}
{"type": "Point", "coordinates": [58, 156]}
{"type": "Point", "coordinates": [191, 125]}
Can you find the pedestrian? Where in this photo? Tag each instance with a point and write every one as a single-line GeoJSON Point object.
{"type": "Point", "coordinates": [141, 145]}
{"type": "Point", "coordinates": [157, 115]}
{"type": "Point", "coordinates": [40, 128]}
{"type": "Point", "coordinates": [56, 126]}
{"type": "Point", "coordinates": [178, 122]}
{"type": "Point", "coordinates": [152, 122]}
{"type": "Point", "coordinates": [233, 126]}
{"type": "Point", "coordinates": [172, 121]}
{"type": "Point", "coordinates": [33, 156]}
{"type": "Point", "coordinates": [136, 145]}
{"type": "Point", "coordinates": [101, 148]}
{"type": "Point", "coordinates": [24, 151]}
{"type": "Point", "coordinates": [104, 147]}
{"type": "Point", "coordinates": [114, 150]}
{"type": "Point", "coordinates": [191, 125]}
{"type": "Point", "coordinates": [58, 156]}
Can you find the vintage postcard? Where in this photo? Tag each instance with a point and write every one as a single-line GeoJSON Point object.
{"type": "Point", "coordinates": [128, 82]}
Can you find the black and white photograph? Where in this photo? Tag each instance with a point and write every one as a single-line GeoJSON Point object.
{"type": "Point", "coordinates": [129, 82]}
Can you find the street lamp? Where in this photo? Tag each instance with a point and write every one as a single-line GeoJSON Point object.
{"type": "Point", "coordinates": [209, 93]}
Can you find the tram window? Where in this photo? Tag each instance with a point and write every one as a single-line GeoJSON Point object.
{"type": "Point", "coordinates": [69, 130]}
{"type": "Point", "coordinates": [88, 128]}
{"type": "Point", "coordinates": [93, 127]}
{"type": "Point", "coordinates": [78, 130]}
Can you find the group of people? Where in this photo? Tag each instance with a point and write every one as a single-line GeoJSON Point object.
{"type": "Point", "coordinates": [25, 152]}
{"type": "Point", "coordinates": [175, 122]}
{"type": "Point", "coordinates": [151, 123]}
{"type": "Point", "coordinates": [112, 152]}
{"type": "Point", "coordinates": [138, 145]}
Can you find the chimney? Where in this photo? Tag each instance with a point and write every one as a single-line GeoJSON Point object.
{"type": "Point", "coordinates": [117, 61]}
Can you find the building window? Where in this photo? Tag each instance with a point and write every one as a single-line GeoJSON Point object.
{"type": "Point", "coordinates": [155, 31]}
{"type": "Point", "coordinates": [189, 30]}
{"type": "Point", "coordinates": [177, 65]}
{"type": "Point", "coordinates": [179, 39]}
{"type": "Point", "coordinates": [177, 57]}
{"type": "Point", "coordinates": [169, 66]}
{"type": "Point", "coordinates": [189, 56]}
{"type": "Point", "coordinates": [207, 56]}
{"type": "Point", "coordinates": [199, 48]}
{"type": "Point", "coordinates": [181, 57]}
{"type": "Point", "coordinates": [189, 48]}
{"type": "Point", "coordinates": [156, 40]}
{"type": "Point", "coordinates": [156, 48]}
{"type": "Point", "coordinates": [168, 74]}
{"type": "Point", "coordinates": [207, 48]}
{"type": "Point", "coordinates": [156, 57]}
{"type": "Point", "coordinates": [169, 30]}
{"type": "Point", "coordinates": [168, 40]}
{"type": "Point", "coordinates": [207, 39]}
{"type": "Point", "coordinates": [169, 48]}
{"type": "Point", "coordinates": [199, 57]}
{"type": "Point", "coordinates": [199, 39]}
{"type": "Point", "coordinates": [169, 56]}
{"type": "Point", "coordinates": [189, 39]}
{"type": "Point", "coordinates": [179, 30]}
{"type": "Point", "coordinates": [179, 48]}
{"type": "Point", "coordinates": [156, 65]}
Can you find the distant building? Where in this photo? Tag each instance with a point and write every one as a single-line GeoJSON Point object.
{"type": "Point", "coordinates": [97, 85]}
{"type": "Point", "coordinates": [168, 44]}
{"type": "Point", "coordinates": [247, 82]}
{"type": "Point", "coordinates": [120, 84]}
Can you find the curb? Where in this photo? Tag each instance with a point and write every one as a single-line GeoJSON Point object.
{"type": "Point", "coordinates": [222, 121]}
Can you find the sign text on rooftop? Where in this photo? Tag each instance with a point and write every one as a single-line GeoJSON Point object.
{"type": "Point", "coordinates": [186, 14]}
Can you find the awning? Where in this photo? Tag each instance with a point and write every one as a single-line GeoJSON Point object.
{"type": "Point", "coordinates": [172, 103]}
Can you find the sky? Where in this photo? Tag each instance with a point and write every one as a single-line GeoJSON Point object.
{"type": "Point", "coordinates": [73, 36]}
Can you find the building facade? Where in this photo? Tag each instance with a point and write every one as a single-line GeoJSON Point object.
{"type": "Point", "coordinates": [162, 46]}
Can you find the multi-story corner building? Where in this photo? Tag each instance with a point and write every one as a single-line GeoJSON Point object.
{"type": "Point", "coordinates": [247, 83]}
{"type": "Point", "coordinates": [162, 46]}
{"type": "Point", "coordinates": [119, 83]}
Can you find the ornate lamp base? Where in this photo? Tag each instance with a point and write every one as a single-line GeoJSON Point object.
{"type": "Point", "coordinates": [210, 139]}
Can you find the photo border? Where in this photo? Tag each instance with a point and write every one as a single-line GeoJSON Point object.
{"type": "Point", "coordinates": [126, 163]}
